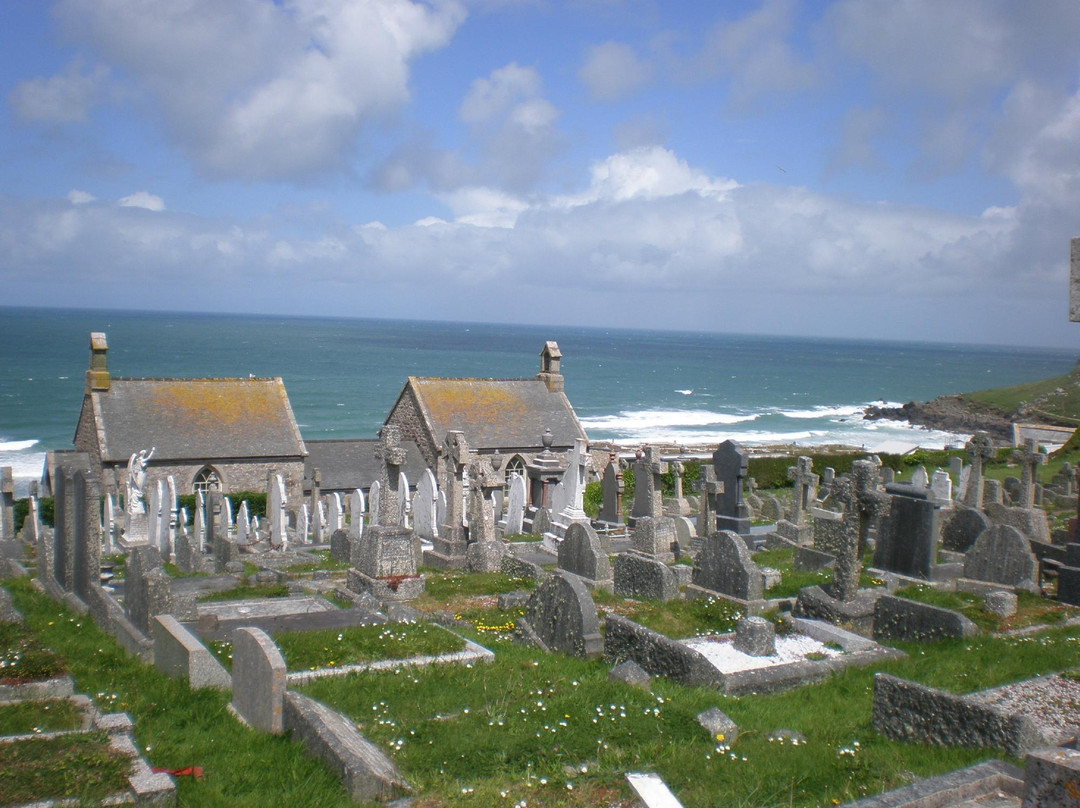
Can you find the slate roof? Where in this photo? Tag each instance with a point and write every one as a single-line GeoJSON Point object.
{"type": "Point", "coordinates": [196, 419]}
{"type": "Point", "coordinates": [496, 413]}
{"type": "Point", "coordinates": [348, 464]}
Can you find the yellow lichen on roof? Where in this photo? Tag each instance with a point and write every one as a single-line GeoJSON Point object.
{"type": "Point", "coordinates": [458, 402]}
{"type": "Point", "coordinates": [220, 401]}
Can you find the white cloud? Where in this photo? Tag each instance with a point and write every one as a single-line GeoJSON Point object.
{"type": "Point", "coordinates": [612, 70]}
{"type": "Point", "coordinates": [261, 90]}
{"type": "Point", "coordinates": [491, 98]}
{"type": "Point", "coordinates": [77, 197]}
{"type": "Point", "coordinates": [61, 99]}
{"type": "Point", "coordinates": [754, 54]}
{"type": "Point", "coordinates": [143, 199]}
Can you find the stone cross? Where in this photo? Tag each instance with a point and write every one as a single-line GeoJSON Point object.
{"type": "Point", "coordinates": [392, 458]}
{"type": "Point", "coordinates": [648, 488]}
{"type": "Point", "coordinates": [981, 449]}
{"type": "Point", "coordinates": [574, 483]}
{"type": "Point", "coordinates": [456, 453]}
{"type": "Point", "coordinates": [806, 482]}
{"type": "Point", "coordinates": [677, 471]}
{"type": "Point", "coordinates": [316, 504]}
{"type": "Point", "coordinates": [707, 487]}
{"type": "Point", "coordinates": [862, 502]}
{"type": "Point", "coordinates": [1029, 459]}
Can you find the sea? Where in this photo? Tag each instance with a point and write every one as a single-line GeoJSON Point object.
{"type": "Point", "coordinates": [628, 386]}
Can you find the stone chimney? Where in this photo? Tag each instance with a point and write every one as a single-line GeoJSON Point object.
{"type": "Point", "coordinates": [97, 377]}
{"type": "Point", "coordinates": [549, 373]}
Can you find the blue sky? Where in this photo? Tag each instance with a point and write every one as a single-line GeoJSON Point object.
{"type": "Point", "coordinates": [903, 169]}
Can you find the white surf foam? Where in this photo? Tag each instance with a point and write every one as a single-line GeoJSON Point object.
{"type": "Point", "coordinates": [640, 420]}
{"type": "Point", "coordinates": [16, 445]}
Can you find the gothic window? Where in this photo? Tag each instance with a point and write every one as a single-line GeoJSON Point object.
{"type": "Point", "coordinates": [516, 464]}
{"type": "Point", "coordinates": [206, 480]}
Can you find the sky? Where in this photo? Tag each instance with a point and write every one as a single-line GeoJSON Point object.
{"type": "Point", "coordinates": [893, 169]}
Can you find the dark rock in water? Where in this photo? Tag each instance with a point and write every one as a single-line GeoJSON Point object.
{"type": "Point", "coordinates": [947, 413]}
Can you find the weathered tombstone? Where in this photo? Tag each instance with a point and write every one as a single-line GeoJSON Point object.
{"type": "Point", "coordinates": [941, 488]}
{"type": "Point", "coordinates": [561, 617]}
{"type": "Point", "coordinates": [573, 483]}
{"type": "Point", "coordinates": [424, 506]}
{"type": "Point", "coordinates": [385, 558]}
{"type": "Point", "coordinates": [1032, 522]}
{"type": "Point", "coordinates": [170, 514]}
{"type": "Point", "coordinates": [888, 475]}
{"type": "Point", "coordinates": [919, 478]}
{"type": "Point", "coordinates": [993, 494]}
{"type": "Point", "coordinates": [862, 502]}
{"type": "Point", "coordinates": [1002, 555]}
{"type": "Point", "coordinates": [153, 517]}
{"type": "Point", "coordinates": [685, 533]}
{"type": "Point", "coordinates": [147, 589]}
{"type": "Point", "coordinates": [450, 544]}
{"type": "Point", "coordinates": [648, 491]}
{"type": "Point", "coordinates": [724, 565]}
{"type": "Point", "coordinates": [755, 636]}
{"type": "Point", "coordinates": [357, 507]}
{"type": "Point", "coordinates": [275, 512]}
{"type": "Point", "coordinates": [243, 524]}
{"type": "Point", "coordinates": [730, 462]}
{"type": "Point", "coordinates": [770, 508]}
{"type": "Point", "coordinates": [87, 534]}
{"type": "Point", "coordinates": [404, 501]}
{"type": "Point", "coordinates": [259, 680]}
{"type": "Point", "coordinates": [303, 522]}
{"type": "Point", "coordinates": [1030, 459]}
{"type": "Point", "coordinates": [313, 511]}
{"type": "Point", "coordinates": [828, 476]}
{"type": "Point", "coordinates": [956, 467]}
{"type": "Point", "coordinates": [7, 504]}
{"type": "Point", "coordinates": [961, 528]}
{"type": "Point", "coordinates": [655, 537]}
{"type": "Point", "coordinates": [515, 506]}
{"type": "Point", "coordinates": [708, 487]}
{"type": "Point", "coordinates": [980, 449]}
{"type": "Point", "coordinates": [581, 553]}
{"type": "Point", "coordinates": [804, 483]}
{"type": "Point", "coordinates": [541, 523]}
{"type": "Point", "coordinates": [642, 578]}
{"type": "Point", "coordinates": [1013, 490]}
{"type": "Point", "coordinates": [907, 544]}
{"type": "Point", "coordinates": [612, 487]}
{"type": "Point", "coordinates": [109, 525]}
{"type": "Point", "coordinates": [484, 552]}
{"type": "Point", "coordinates": [64, 528]}
{"type": "Point", "coordinates": [677, 505]}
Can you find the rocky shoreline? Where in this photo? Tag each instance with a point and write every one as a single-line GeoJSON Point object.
{"type": "Point", "coordinates": [947, 413]}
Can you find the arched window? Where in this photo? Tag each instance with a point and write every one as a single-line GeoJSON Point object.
{"type": "Point", "coordinates": [206, 480]}
{"type": "Point", "coordinates": [516, 464]}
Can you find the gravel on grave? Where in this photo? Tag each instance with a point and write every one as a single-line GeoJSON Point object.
{"type": "Point", "coordinates": [1052, 702]}
{"type": "Point", "coordinates": [725, 658]}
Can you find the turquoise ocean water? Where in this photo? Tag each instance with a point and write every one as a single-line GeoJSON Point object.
{"type": "Point", "coordinates": [629, 386]}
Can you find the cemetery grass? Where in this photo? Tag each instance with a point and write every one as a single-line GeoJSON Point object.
{"type": "Point", "coordinates": [1031, 609]}
{"type": "Point", "coordinates": [321, 561]}
{"type": "Point", "coordinates": [26, 717]}
{"type": "Point", "coordinates": [792, 580]}
{"type": "Point", "coordinates": [176, 727]}
{"type": "Point", "coordinates": [334, 648]}
{"type": "Point", "coordinates": [24, 659]}
{"type": "Point", "coordinates": [554, 731]}
{"type": "Point", "coordinates": [79, 766]}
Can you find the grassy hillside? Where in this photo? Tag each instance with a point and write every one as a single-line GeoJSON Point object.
{"type": "Point", "coordinates": [1055, 400]}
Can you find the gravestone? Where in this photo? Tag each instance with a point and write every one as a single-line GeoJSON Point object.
{"type": "Point", "coordinates": [275, 512]}
{"type": "Point", "coordinates": [581, 553]}
{"type": "Point", "coordinates": [340, 546]}
{"type": "Point", "coordinates": [573, 484]}
{"type": "Point", "coordinates": [612, 487]}
{"type": "Point", "coordinates": [147, 589]}
{"type": "Point", "coordinates": [7, 504]}
{"type": "Point", "coordinates": [770, 508]}
{"type": "Point", "coordinates": [514, 522]}
{"type": "Point", "coordinates": [730, 463]}
{"type": "Point", "coordinates": [484, 552]}
{"type": "Point", "coordinates": [888, 475]}
{"type": "Point", "coordinates": [425, 507]}
{"type": "Point", "coordinates": [243, 524]}
{"type": "Point", "coordinates": [1031, 522]}
{"type": "Point", "coordinates": [385, 558]}
{"type": "Point", "coordinates": [86, 555]}
{"type": "Point", "coordinates": [654, 537]}
{"type": "Point", "coordinates": [449, 547]}
{"type": "Point", "coordinates": [685, 533]}
{"type": "Point", "coordinates": [336, 518]}
{"type": "Point", "coordinates": [941, 488]}
{"type": "Point", "coordinates": [755, 636]}
{"type": "Point", "coordinates": [541, 523]}
{"type": "Point", "coordinates": [109, 524]}
{"type": "Point", "coordinates": [642, 578]}
{"type": "Point", "coordinates": [724, 565]}
{"type": "Point", "coordinates": [862, 503]}
{"type": "Point", "coordinates": [908, 543]}
{"type": "Point", "coordinates": [993, 494]}
{"type": "Point", "coordinates": [303, 521]}
{"type": "Point", "coordinates": [1030, 458]}
{"type": "Point", "coordinates": [313, 512]}
{"type": "Point", "coordinates": [648, 491]}
{"type": "Point", "coordinates": [1013, 490]}
{"type": "Point", "coordinates": [961, 528]}
{"type": "Point", "coordinates": [1002, 555]}
{"type": "Point", "coordinates": [375, 500]}
{"type": "Point", "coordinates": [561, 617]}
{"type": "Point", "coordinates": [828, 476]}
{"type": "Point", "coordinates": [804, 485]}
{"type": "Point", "coordinates": [404, 501]}
{"type": "Point", "coordinates": [677, 505]}
{"type": "Point", "coordinates": [708, 487]}
{"type": "Point", "coordinates": [259, 680]}
{"type": "Point", "coordinates": [64, 528]}
{"type": "Point", "coordinates": [980, 449]}
{"type": "Point", "coordinates": [357, 506]}
{"type": "Point", "coordinates": [956, 467]}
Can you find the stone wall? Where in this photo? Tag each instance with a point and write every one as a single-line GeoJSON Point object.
{"type": "Point", "coordinates": [902, 619]}
{"type": "Point", "coordinates": [659, 655]}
